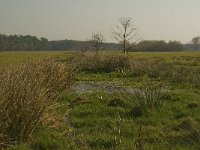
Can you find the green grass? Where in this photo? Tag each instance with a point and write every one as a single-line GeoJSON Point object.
{"type": "Point", "coordinates": [174, 57]}
{"type": "Point", "coordinates": [100, 126]}
{"type": "Point", "coordinates": [17, 57]}
{"type": "Point", "coordinates": [95, 122]}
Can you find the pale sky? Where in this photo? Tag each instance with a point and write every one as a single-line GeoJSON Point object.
{"type": "Point", "coordinates": [77, 19]}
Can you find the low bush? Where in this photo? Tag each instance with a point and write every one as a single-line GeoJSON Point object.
{"type": "Point", "coordinates": [99, 63]}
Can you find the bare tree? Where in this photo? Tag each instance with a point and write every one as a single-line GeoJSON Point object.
{"type": "Point", "coordinates": [96, 42]}
{"type": "Point", "coordinates": [125, 33]}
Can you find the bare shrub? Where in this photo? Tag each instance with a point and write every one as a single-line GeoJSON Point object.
{"type": "Point", "coordinates": [25, 93]}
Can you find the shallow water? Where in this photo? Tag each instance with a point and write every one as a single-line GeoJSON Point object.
{"type": "Point", "coordinates": [86, 87]}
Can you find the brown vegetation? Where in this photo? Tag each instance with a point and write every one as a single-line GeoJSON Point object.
{"type": "Point", "coordinates": [26, 98]}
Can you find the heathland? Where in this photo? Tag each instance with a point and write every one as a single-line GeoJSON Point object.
{"type": "Point", "coordinates": [104, 100]}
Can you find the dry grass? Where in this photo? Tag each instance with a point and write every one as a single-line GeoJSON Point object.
{"type": "Point", "coordinates": [26, 97]}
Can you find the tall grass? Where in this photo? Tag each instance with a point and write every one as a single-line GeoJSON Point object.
{"type": "Point", "coordinates": [151, 96]}
{"type": "Point", "coordinates": [26, 97]}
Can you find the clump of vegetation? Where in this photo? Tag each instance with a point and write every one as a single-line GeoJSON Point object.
{"type": "Point", "coordinates": [26, 98]}
{"type": "Point", "coordinates": [193, 105]}
{"type": "Point", "coordinates": [151, 96]}
{"type": "Point", "coordinates": [148, 98]}
{"type": "Point", "coordinates": [99, 63]}
{"type": "Point", "coordinates": [138, 111]}
{"type": "Point", "coordinates": [116, 102]}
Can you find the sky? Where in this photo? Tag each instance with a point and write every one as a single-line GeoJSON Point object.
{"type": "Point", "coordinates": [78, 19]}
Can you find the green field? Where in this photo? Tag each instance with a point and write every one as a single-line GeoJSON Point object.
{"type": "Point", "coordinates": [138, 101]}
{"type": "Point", "coordinates": [185, 58]}
{"type": "Point", "coordinates": [23, 56]}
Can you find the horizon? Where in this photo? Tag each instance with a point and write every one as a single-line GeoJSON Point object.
{"type": "Point", "coordinates": [173, 20]}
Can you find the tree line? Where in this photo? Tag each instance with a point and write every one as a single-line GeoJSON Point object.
{"type": "Point", "coordinates": [157, 46]}
{"type": "Point", "coordinates": [125, 33]}
{"type": "Point", "coordinates": [32, 43]}
{"type": "Point", "coordinates": [23, 43]}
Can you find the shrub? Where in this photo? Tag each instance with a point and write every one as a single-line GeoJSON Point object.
{"type": "Point", "coordinates": [25, 93]}
{"type": "Point", "coordinates": [105, 63]}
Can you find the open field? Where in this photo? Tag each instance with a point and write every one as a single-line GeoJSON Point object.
{"type": "Point", "coordinates": [112, 101]}
{"type": "Point", "coordinates": [187, 58]}
{"type": "Point", "coordinates": [23, 56]}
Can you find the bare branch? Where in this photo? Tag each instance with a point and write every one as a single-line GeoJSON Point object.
{"type": "Point", "coordinates": [97, 40]}
{"type": "Point", "coordinates": [126, 32]}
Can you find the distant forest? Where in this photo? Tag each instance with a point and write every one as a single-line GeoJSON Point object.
{"type": "Point", "coordinates": [32, 43]}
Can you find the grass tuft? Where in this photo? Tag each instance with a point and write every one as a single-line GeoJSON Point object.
{"type": "Point", "coordinates": [26, 98]}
